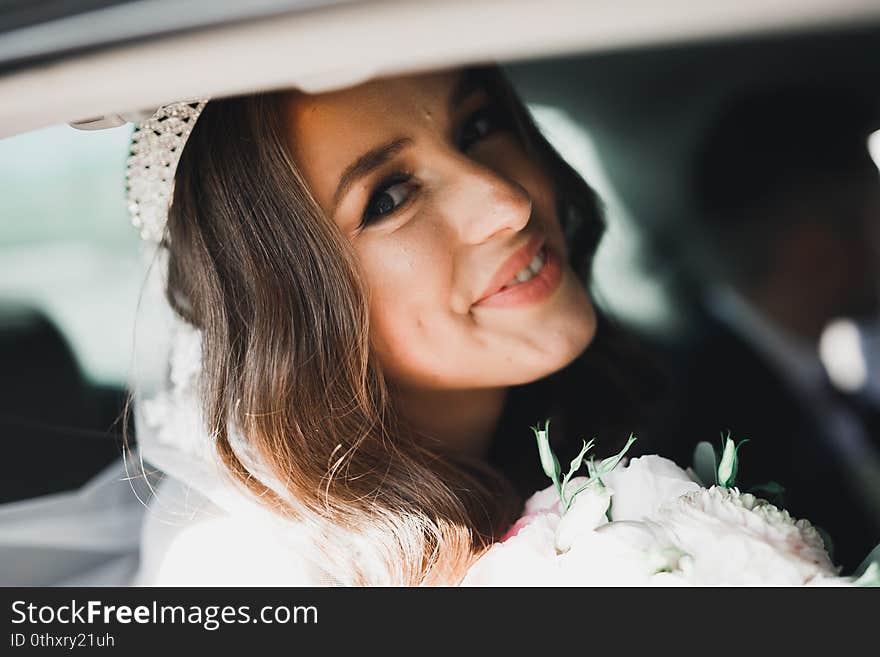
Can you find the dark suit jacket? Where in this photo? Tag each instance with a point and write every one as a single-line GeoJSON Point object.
{"type": "Point", "coordinates": [719, 383]}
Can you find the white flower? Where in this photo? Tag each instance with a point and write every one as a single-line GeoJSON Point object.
{"type": "Point", "coordinates": [736, 539]}
{"type": "Point", "coordinates": [623, 553]}
{"type": "Point", "coordinates": [526, 559]}
{"type": "Point", "coordinates": [645, 484]}
{"type": "Point", "coordinates": [586, 513]}
{"type": "Point", "coordinates": [546, 500]}
{"type": "Point", "coordinates": [665, 531]}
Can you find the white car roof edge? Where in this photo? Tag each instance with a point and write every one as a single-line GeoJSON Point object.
{"type": "Point", "coordinates": [349, 43]}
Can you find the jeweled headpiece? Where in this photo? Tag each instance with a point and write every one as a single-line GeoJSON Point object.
{"type": "Point", "coordinates": [156, 146]}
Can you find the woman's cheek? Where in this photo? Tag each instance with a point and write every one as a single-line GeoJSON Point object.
{"type": "Point", "coordinates": [401, 344]}
{"type": "Point", "coordinates": [395, 324]}
{"type": "Point", "coordinates": [411, 331]}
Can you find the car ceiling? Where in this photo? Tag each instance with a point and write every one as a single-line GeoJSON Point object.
{"type": "Point", "coordinates": [643, 78]}
{"type": "Point", "coordinates": [44, 31]}
{"type": "Point", "coordinates": [121, 58]}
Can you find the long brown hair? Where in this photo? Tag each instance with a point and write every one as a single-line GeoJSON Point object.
{"type": "Point", "coordinates": [277, 292]}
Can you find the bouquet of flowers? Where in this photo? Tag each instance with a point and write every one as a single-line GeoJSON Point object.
{"type": "Point", "coordinates": [651, 523]}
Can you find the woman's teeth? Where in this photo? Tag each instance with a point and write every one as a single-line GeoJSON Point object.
{"type": "Point", "coordinates": [528, 272]}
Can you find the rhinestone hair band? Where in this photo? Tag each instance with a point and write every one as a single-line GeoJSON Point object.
{"type": "Point", "coordinates": [156, 146]}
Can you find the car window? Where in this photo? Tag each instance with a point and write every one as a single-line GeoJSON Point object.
{"type": "Point", "coordinates": [621, 285]}
{"type": "Point", "coordinates": [67, 251]}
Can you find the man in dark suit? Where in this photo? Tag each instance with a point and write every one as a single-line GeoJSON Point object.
{"type": "Point", "coordinates": [787, 239]}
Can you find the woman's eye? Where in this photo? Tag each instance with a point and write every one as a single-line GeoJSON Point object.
{"type": "Point", "coordinates": [389, 197]}
{"type": "Point", "coordinates": [480, 125]}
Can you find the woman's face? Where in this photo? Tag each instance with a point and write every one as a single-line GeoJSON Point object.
{"type": "Point", "coordinates": [444, 209]}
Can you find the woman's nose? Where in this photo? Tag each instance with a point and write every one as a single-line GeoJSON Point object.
{"type": "Point", "coordinates": [483, 203]}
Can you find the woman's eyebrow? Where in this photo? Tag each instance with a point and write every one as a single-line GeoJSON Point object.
{"type": "Point", "coordinates": [366, 163]}
{"type": "Point", "coordinates": [466, 84]}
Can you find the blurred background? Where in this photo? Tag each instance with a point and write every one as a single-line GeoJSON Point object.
{"type": "Point", "coordinates": [740, 183]}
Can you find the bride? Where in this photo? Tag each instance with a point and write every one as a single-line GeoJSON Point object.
{"type": "Point", "coordinates": [379, 290]}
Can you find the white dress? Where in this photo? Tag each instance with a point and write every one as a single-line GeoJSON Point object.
{"type": "Point", "coordinates": [187, 540]}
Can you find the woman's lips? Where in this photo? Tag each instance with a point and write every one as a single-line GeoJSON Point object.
{"type": "Point", "coordinates": [513, 265]}
{"type": "Point", "coordinates": [539, 287]}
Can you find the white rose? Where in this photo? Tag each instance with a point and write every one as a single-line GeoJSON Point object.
{"type": "Point", "coordinates": [737, 539]}
{"type": "Point", "coordinates": [543, 501]}
{"type": "Point", "coordinates": [644, 485]}
{"type": "Point", "coordinates": [623, 553]}
{"type": "Point", "coordinates": [526, 559]}
{"type": "Point", "coordinates": [586, 512]}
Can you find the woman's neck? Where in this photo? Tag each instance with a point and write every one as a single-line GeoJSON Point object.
{"type": "Point", "coordinates": [457, 421]}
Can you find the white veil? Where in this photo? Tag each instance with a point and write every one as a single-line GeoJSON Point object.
{"type": "Point", "coordinates": [166, 513]}
{"type": "Point", "coordinates": [201, 526]}
{"type": "Point", "coordinates": [89, 536]}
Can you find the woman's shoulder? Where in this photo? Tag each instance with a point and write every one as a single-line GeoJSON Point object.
{"type": "Point", "coordinates": [187, 540]}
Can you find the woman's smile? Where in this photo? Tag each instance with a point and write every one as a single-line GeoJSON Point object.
{"type": "Point", "coordinates": [532, 282]}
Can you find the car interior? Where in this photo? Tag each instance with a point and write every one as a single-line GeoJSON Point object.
{"type": "Point", "coordinates": [632, 113]}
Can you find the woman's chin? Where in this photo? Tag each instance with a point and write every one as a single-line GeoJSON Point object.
{"type": "Point", "coordinates": [560, 341]}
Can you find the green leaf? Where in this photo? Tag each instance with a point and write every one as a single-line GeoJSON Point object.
{"type": "Point", "coordinates": [607, 465]}
{"type": "Point", "coordinates": [770, 488]}
{"type": "Point", "coordinates": [772, 491]}
{"type": "Point", "coordinates": [596, 471]}
{"type": "Point", "coordinates": [738, 447]}
{"type": "Point", "coordinates": [573, 467]}
{"type": "Point", "coordinates": [577, 460]}
{"type": "Point", "coordinates": [871, 576]}
{"type": "Point", "coordinates": [873, 558]}
{"type": "Point", "coordinates": [705, 463]}
{"type": "Point", "coordinates": [591, 467]}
